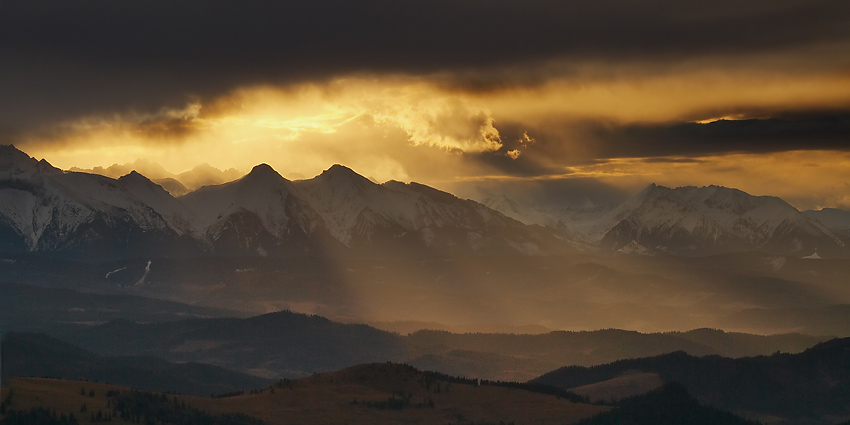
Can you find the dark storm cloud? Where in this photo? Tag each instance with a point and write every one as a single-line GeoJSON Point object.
{"type": "Point", "coordinates": [559, 146]}
{"type": "Point", "coordinates": [62, 59]}
{"type": "Point", "coordinates": [830, 132]}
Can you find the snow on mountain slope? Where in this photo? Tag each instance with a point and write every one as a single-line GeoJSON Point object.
{"type": "Point", "coordinates": [260, 213]}
{"type": "Point", "coordinates": [360, 212]}
{"type": "Point", "coordinates": [17, 165]}
{"type": "Point", "coordinates": [439, 217]}
{"type": "Point", "coordinates": [103, 194]}
{"type": "Point", "coordinates": [45, 209]}
{"type": "Point", "coordinates": [340, 196]}
{"type": "Point", "coordinates": [523, 213]}
{"type": "Point", "coordinates": [49, 210]}
{"type": "Point", "coordinates": [160, 200]}
{"type": "Point", "coordinates": [263, 192]}
{"type": "Point", "coordinates": [702, 220]}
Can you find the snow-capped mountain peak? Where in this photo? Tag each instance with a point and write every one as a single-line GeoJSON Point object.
{"type": "Point", "coordinates": [263, 171]}
{"type": "Point", "coordinates": [15, 164]}
{"type": "Point", "coordinates": [341, 176]}
{"type": "Point", "coordinates": [261, 213]}
{"type": "Point", "coordinates": [700, 220]}
{"type": "Point", "coordinates": [160, 200]}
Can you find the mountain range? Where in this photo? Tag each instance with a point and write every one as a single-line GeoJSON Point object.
{"type": "Point", "coordinates": [90, 216]}
{"type": "Point", "coordinates": [176, 184]}
{"type": "Point", "coordinates": [694, 221]}
{"type": "Point", "coordinates": [286, 345]}
{"type": "Point", "coordinates": [81, 215]}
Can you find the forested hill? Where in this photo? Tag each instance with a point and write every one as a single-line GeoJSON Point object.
{"type": "Point", "coordinates": [808, 385]}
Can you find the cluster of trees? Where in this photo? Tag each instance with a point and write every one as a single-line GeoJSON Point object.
{"type": "Point", "coordinates": [150, 409]}
{"type": "Point", "coordinates": [811, 384]}
{"type": "Point", "coordinates": [668, 405]}
{"type": "Point", "coordinates": [398, 401]}
{"type": "Point", "coordinates": [130, 406]}
{"type": "Point", "coordinates": [535, 387]}
{"type": "Point", "coordinates": [37, 416]}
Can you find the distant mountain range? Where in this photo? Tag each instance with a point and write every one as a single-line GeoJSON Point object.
{"type": "Point", "coordinates": [176, 184]}
{"type": "Point", "coordinates": [90, 216]}
{"type": "Point", "coordinates": [286, 344]}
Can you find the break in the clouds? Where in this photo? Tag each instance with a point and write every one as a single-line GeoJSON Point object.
{"type": "Point", "coordinates": [389, 130]}
{"type": "Point", "coordinates": [439, 91]}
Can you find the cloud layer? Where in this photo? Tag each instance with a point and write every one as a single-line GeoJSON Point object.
{"type": "Point", "coordinates": [440, 91]}
{"type": "Point", "coordinates": [85, 57]}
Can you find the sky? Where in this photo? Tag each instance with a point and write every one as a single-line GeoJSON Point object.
{"type": "Point", "coordinates": [574, 101]}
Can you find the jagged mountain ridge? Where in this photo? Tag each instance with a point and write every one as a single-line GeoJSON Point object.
{"type": "Point", "coordinates": [47, 210]}
{"type": "Point", "coordinates": [262, 213]}
{"type": "Point", "coordinates": [697, 221]}
{"type": "Point", "coordinates": [359, 212]}
{"type": "Point", "coordinates": [714, 219]}
{"type": "Point", "coordinates": [176, 184]}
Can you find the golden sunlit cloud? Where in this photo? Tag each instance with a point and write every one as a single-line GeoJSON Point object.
{"type": "Point", "coordinates": [414, 128]}
{"type": "Point", "coordinates": [362, 123]}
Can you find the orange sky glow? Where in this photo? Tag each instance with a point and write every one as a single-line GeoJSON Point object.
{"type": "Point", "coordinates": [414, 129]}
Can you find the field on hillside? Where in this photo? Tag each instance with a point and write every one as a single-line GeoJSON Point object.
{"type": "Point", "coordinates": [366, 394]}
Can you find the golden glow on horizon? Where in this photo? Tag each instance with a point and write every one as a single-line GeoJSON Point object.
{"type": "Point", "coordinates": [805, 179]}
{"type": "Point", "coordinates": [412, 129]}
{"type": "Point", "coordinates": [723, 118]}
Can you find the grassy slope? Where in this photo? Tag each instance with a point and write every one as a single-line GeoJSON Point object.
{"type": "Point", "coordinates": [327, 398]}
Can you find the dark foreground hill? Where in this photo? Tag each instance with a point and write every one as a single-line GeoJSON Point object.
{"type": "Point", "coordinates": [36, 355]}
{"type": "Point", "coordinates": [810, 386]}
{"type": "Point", "coordinates": [668, 405]}
{"type": "Point", "coordinates": [373, 394]}
{"type": "Point", "coordinates": [378, 393]}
